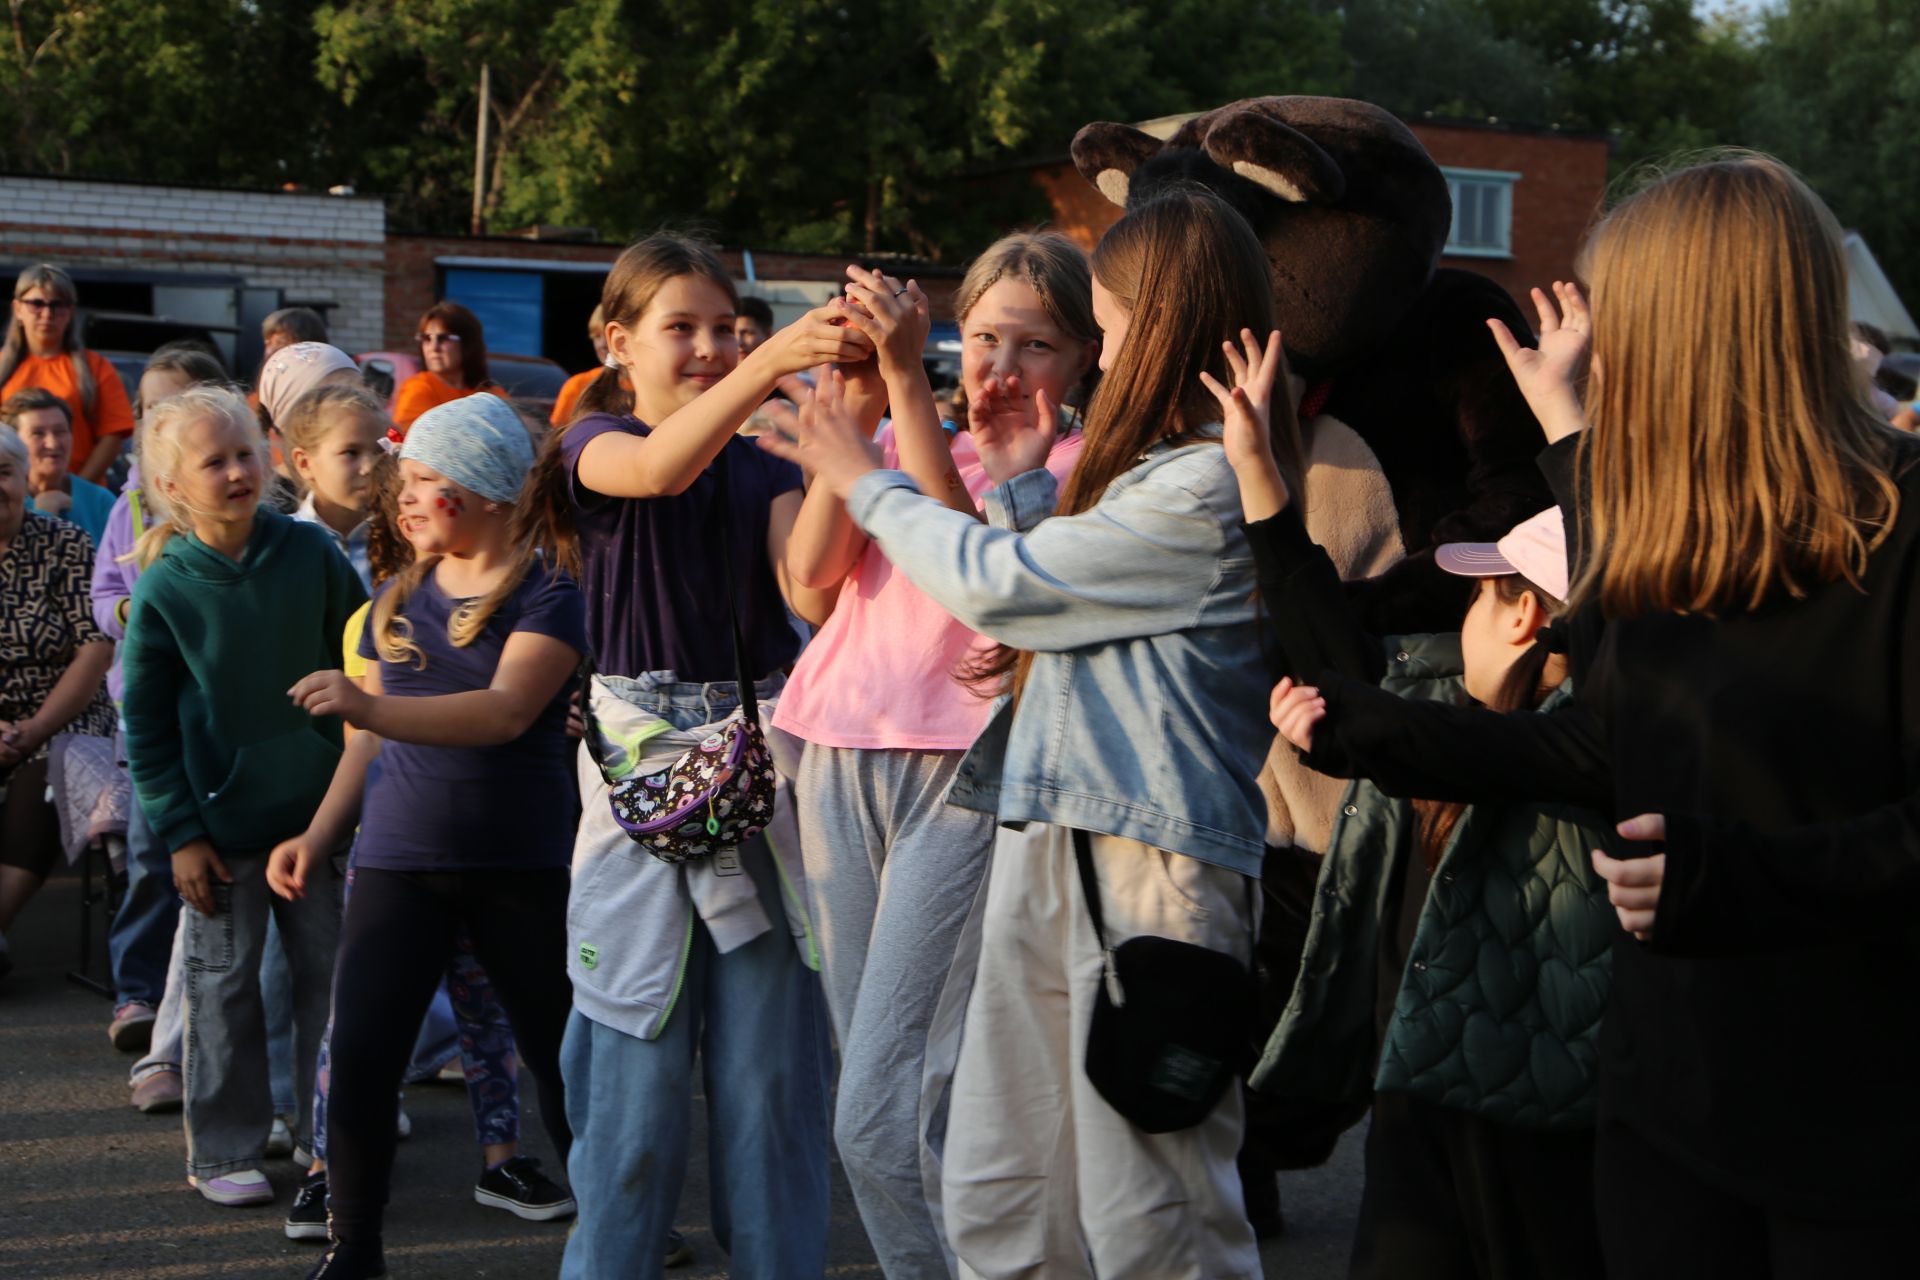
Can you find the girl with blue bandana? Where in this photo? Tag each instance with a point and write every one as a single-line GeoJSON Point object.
{"type": "Point", "coordinates": [462, 764]}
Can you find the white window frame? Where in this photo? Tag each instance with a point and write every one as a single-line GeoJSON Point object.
{"type": "Point", "coordinates": [1495, 180]}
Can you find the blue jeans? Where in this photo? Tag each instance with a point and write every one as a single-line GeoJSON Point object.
{"type": "Point", "coordinates": [276, 995]}
{"type": "Point", "coordinates": [755, 1019]}
{"type": "Point", "coordinates": [141, 939]}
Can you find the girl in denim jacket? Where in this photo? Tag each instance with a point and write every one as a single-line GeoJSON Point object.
{"type": "Point", "coordinates": [1127, 610]}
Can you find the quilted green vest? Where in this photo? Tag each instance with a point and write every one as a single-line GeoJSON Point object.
{"type": "Point", "coordinates": [1499, 1008]}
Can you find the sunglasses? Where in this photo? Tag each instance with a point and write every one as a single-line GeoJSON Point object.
{"type": "Point", "coordinates": [45, 305]}
{"type": "Point", "coordinates": [436, 339]}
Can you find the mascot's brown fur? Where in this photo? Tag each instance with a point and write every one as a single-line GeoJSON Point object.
{"type": "Point", "coordinates": [1416, 434]}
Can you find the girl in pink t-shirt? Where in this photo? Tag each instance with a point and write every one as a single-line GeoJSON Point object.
{"type": "Point", "coordinates": [882, 701]}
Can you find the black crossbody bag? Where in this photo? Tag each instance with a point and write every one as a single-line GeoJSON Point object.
{"type": "Point", "coordinates": [1171, 1022]}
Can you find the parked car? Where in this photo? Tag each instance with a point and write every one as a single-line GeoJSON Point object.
{"type": "Point", "coordinates": [532, 383]}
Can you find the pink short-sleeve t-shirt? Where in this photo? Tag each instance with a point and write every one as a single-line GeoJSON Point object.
{"type": "Point", "coordinates": [881, 674]}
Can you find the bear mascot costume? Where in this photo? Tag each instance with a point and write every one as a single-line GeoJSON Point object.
{"type": "Point", "coordinates": [1415, 434]}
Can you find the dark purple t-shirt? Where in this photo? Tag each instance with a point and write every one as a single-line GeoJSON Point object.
{"type": "Point", "coordinates": [503, 808]}
{"type": "Point", "coordinates": [651, 571]}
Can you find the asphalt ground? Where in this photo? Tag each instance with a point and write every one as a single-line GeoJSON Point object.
{"type": "Point", "coordinates": [91, 1189]}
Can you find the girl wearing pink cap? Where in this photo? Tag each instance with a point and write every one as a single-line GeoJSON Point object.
{"type": "Point", "coordinates": [1458, 959]}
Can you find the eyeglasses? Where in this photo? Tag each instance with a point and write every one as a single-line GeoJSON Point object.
{"type": "Point", "coordinates": [44, 305]}
{"type": "Point", "coordinates": [436, 339]}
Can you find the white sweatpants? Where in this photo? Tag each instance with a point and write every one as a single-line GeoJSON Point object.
{"type": "Point", "coordinates": [1041, 1177]}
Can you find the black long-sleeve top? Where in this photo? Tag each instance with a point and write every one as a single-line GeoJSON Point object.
{"type": "Point", "coordinates": [1764, 1036]}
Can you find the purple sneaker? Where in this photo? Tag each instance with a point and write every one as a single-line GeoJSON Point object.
{"type": "Point", "coordinates": [157, 1092]}
{"type": "Point", "coordinates": [132, 1027]}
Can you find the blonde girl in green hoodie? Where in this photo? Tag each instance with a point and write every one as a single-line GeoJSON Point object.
{"type": "Point", "coordinates": [235, 603]}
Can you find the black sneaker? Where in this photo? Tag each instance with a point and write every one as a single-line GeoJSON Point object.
{"type": "Point", "coordinates": [521, 1189]}
{"type": "Point", "coordinates": [350, 1261]}
{"type": "Point", "coordinates": [307, 1220]}
{"type": "Point", "coordinates": [679, 1252]}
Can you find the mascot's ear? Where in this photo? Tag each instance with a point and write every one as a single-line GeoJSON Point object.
{"type": "Point", "coordinates": [1283, 160]}
{"type": "Point", "coordinates": [1107, 154]}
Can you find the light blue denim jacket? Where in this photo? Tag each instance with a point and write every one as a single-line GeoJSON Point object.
{"type": "Point", "coordinates": [1144, 714]}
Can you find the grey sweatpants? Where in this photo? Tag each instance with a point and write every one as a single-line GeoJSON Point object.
{"type": "Point", "coordinates": [892, 872]}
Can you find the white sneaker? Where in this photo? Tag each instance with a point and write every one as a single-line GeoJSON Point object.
{"type": "Point", "coordinates": [242, 1187]}
{"type": "Point", "coordinates": [280, 1139]}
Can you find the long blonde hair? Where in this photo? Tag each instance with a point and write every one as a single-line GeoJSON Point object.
{"type": "Point", "coordinates": [1732, 455]}
{"type": "Point", "coordinates": [14, 350]}
{"type": "Point", "coordinates": [160, 459]}
{"type": "Point", "coordinates": [393, 634]}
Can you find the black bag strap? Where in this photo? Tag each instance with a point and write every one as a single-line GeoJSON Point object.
{"type": "Point", "coordinates": [1089, 884]}
{"type": "Point", "coordinates": [743, 670]}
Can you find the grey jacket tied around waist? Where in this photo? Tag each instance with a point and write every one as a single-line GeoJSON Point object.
{"type": "Point", "coordinates": [1498, 1011]}
{"type": "Point", "coordinates": [1144, 713]}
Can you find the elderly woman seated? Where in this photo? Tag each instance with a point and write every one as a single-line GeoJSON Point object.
{"type": "Point", "coordinates": [53, 667]}
{"type": "Point", "coordinates": [44, 424]}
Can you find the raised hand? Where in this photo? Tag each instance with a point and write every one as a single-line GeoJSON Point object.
{"type": "Point", "coordinates": [1246, 413]}
{"type": "Point", "coordinates": [1550, 375]}
{"type": "Point", "coordinates": [822, 436]}
{"type": "Point", "coordinates": [1294, 710]}
{"type": "Point", "coordinates": [895, 316]}
{"type": "Point", "coordinates": [1013, 432]}
{"type": "Point", "coordinates": [822, 336]}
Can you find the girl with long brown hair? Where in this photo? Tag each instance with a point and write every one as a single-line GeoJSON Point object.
{"type": "Point", "coordinates": [1131, 599]}
{"type": "Point", "coordinates": [1744, 647]}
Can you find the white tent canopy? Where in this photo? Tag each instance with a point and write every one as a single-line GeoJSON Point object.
{"type": "Point", "coordinates": [1870, 295]}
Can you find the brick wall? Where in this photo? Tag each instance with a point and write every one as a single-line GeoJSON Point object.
{"type": "Point", "coordinates": [1562, 185]}
{"type": "Point", "coordinates": [316, 247]}
{"type": "Point", "coordinates": [413, 279]}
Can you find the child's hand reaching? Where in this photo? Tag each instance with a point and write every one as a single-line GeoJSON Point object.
{"type": "Point", "coordinates": [1550, 375]}
{"type": "Point", "coordinates": [894, 316]}
{"type": "Point", "coordinates": [331, 693]}
{"type": "Point", "coordinates": [1247, 415]}
{"type": "Point", "coordinates": [822, 336]}
{"type": "Point", "coordinates": [822, 437]}
{"type": "Point", "coordinates": [1294, 710]}
{"type": "Point", "coordinates": [1013, 432]}
{"type": "Point", "coordinates": [287, 867]}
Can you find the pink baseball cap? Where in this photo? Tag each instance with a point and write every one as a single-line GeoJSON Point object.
{"type": "Point", "coordinates": [1536, 549]}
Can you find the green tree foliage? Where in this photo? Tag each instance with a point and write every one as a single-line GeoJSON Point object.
{"type": "Point", "coordinates": [1837, 95]}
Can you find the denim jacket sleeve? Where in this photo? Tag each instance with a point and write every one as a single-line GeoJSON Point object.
{"type": "Point", "coordinates": [1147, 560]}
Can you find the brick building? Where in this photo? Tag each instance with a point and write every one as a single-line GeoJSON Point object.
{"type": "Point", "coordinates": [1522, 198]}
{"type": "Point", "coordinates": [216, 258]}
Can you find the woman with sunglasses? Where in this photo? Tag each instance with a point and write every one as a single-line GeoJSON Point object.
{"type": "Point", "coordinates": [41, 351]}
{"type": "Point", "coordinates": [453, 356]}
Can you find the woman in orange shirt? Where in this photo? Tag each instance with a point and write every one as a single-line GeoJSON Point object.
{"type": "Point", "coordinates": [453, 349]}
{"type": "Point", "coordinates": [40, 351]}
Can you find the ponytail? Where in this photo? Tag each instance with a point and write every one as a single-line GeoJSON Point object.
{"type": "Point", "coordinates": [544, 518]}
{"type": "Point", "coordinates": [606, 394]}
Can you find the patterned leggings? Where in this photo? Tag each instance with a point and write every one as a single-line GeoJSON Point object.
{"type": "Point", "coordinates": [487, 1052]}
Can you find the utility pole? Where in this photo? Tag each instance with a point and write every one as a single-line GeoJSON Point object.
{"type": "Point", "coordinates": [479, 225]}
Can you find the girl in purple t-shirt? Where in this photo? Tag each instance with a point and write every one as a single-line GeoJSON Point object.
{"type": "Point", "coordinates": [465, 764]}
{"type": "Point", "coordinates": [711, 960]}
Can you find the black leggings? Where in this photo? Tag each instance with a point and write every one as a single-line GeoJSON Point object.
{"type": "Point", "coordinates": [394, 945]}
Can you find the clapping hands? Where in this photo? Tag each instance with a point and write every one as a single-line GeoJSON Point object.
{"type": "Point", "coordinates": [820, 434]}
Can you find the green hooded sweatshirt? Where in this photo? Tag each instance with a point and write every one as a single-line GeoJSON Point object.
{"type": "Point", "coordinates": [215, 746]}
